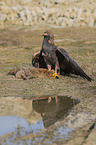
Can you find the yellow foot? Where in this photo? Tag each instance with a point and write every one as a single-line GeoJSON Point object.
{"type": "Point", "coordinates": [55, 76]}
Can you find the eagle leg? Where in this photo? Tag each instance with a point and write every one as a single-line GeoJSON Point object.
{"type": "Point", "coordinates": [55, 75]}
{"type": "Point", "coordinates": [49, 67]}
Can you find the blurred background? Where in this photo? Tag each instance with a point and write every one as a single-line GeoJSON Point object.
{"type": "Point", "coordinates": [54, 12]}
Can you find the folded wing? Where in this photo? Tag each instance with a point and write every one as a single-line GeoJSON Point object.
{"type": "Point", "coordinates": [68, 65]}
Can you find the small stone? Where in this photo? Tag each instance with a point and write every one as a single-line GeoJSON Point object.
{"type": "Point", "coordinates": [91, 23]}
{"type": "Point", "coordinates": [79, 13]}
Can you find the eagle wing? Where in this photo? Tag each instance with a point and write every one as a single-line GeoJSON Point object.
{"type": "Point", "coordinates": [68, 65]}
{"type": "Point", "coordinates": [38, 60]}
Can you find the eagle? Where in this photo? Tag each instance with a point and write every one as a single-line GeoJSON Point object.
{"type": "Point", "coordinates": [53, 57]}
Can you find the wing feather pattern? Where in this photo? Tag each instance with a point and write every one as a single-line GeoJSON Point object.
{"type": "Point", "coordinates": [68, 65]}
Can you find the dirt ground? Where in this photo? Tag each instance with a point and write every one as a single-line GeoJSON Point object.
{"type": "Point", "coordinates": [18, 44]}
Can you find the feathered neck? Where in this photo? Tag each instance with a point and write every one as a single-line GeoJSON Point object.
{"type": "Point", "coordinates": [48, 39]}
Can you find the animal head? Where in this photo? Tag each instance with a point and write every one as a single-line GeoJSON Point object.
{"type": "Point", "coordinates": [14, 71]}
{"type": "Point", "coordinates": [48, 34]}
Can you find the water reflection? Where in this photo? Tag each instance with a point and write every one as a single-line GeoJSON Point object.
{"type": "Point", "coordinates": [32, 115]}
{"type": "Point", "coordinates": [53, 108]}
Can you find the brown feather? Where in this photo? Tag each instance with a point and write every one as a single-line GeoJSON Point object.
{"type": "Point", "coordinates": [58, 58]}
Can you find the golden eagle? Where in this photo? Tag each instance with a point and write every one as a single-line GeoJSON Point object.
{"type": "Point", "coordinates": [52, 57]}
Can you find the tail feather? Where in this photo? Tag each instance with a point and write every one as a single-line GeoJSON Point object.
{"type": "Point", "coordinates": [84, 75]}
{"type": "Point", "coordinates": [78, 71]}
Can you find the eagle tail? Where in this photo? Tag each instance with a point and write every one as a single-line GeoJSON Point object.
{"type": "Point", "coordinates": [78, 71]}
{"type": "Point", "coordinates": [84, 75]}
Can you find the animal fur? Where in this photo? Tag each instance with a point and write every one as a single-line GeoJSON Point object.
{"type": "Point", "coordinates": [29, 73]}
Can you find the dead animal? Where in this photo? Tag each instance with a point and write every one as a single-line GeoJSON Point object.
{"type": "Point", "coordinates": [29, 73]}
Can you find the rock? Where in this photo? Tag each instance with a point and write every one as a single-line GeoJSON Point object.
{"type": "Point", "coordinates": [68, 22]}
{"type": "Point", "coordinates": [3, 17]}
{"type": "Point", "coordinates": [66, 14]}
{"type": "Point", "coordinates": [63, 24]}
{"type": "Point", "coordinates": [92, 22]}
{"type": "Point", "coordinates": [58, 12]}
{"type": "Point", "coordinates": [5, 10]}
{"type": "Point", "coordinates": [51, 12]}
{"type": "Point", "coordinates": [79, 13]}
{"type": "Point", "coordinates": [73, 15]}
{"type": "Point", "coordinates": [91, 135]}
{"type": "Point", "coordinates": [83, 24]}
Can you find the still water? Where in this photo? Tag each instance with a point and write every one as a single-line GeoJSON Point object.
{"type": "Point", "coordinates": [24, 116]}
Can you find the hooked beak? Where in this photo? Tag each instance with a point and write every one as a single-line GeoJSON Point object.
{"type": "Point", "coordinates": [44, 34]}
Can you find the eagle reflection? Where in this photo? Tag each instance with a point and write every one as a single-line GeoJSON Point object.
{"type": "Point", "coordinates": [53, 108]}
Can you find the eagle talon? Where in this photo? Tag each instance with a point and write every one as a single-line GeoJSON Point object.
{"type": "Point", "coordinates": [55, 76]}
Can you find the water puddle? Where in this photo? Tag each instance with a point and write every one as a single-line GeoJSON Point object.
{"type": "Point", "coordinates": [23, 116]}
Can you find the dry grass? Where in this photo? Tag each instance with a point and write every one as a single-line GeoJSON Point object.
{"type": "Point", "coordinates": [17, 45]}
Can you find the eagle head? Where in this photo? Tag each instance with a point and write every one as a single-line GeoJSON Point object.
{"type": "Point", "coordinates": [49, 36]}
